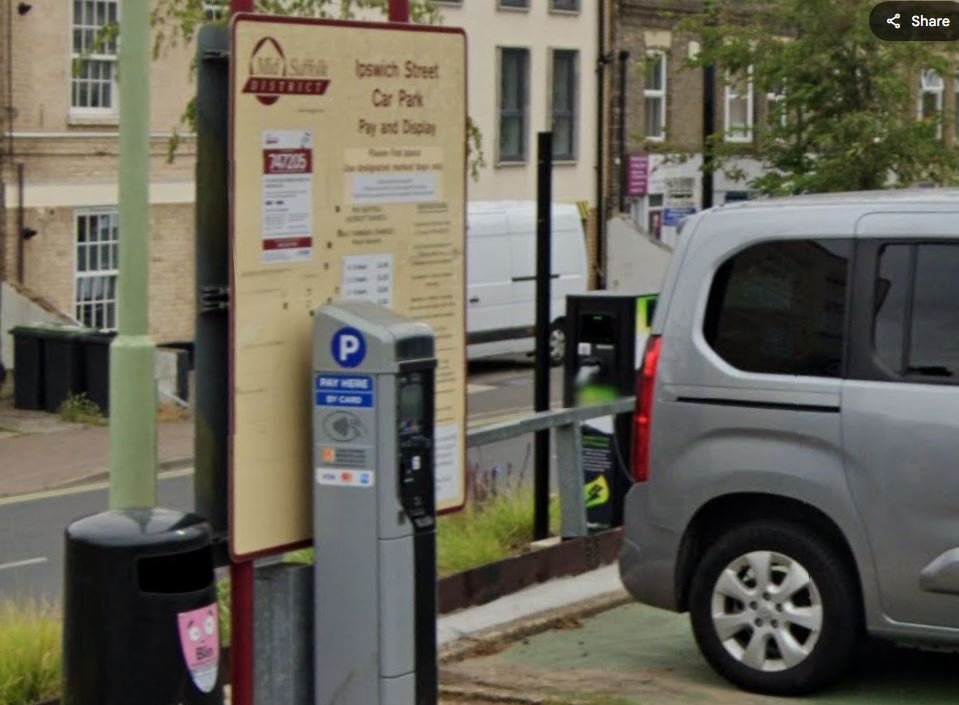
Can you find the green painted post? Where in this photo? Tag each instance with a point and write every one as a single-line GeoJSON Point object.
{"type": "Point", "coordinates": [132, 386]}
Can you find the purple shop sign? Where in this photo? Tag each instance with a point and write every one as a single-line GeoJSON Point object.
{"type": "Point", "coordinates": [637, 174]}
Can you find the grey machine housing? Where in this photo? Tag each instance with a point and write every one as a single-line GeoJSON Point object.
{"type": "Point", "coordinates": [375, 593]}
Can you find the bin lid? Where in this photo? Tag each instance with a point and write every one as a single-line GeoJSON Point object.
{"type": "Point", "coordinates": [123, 528]}
{"type": "Point", "coordinates": [51, 331]}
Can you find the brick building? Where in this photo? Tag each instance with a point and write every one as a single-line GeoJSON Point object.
{"type": "Point", "coordinates": [657, 116]}
{"type": "Point", "coordinates": [531, 66]}
{"type": "Point", "coordinates": [59, 97]}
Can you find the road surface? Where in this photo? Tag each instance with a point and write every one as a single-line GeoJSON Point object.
{"type": "Point", "coordinates": [31, 531]}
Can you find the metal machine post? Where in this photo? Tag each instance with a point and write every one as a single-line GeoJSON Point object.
{"type": "Point", "coordinates": [373, 512]}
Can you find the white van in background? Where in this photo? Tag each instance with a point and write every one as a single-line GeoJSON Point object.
{"type": "Point", "coordinates": [501, 276]}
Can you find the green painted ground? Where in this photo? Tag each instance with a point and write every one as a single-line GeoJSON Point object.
{"type": "Point", "coordinates": [639, 655]}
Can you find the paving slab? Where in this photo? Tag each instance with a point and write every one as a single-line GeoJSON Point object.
{"type": "Point", "coordinates": [634, 655]}
{"type": "Point", "coordinates": [42, 461]}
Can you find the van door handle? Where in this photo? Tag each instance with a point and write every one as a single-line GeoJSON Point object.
{"type": "Point", "coordinates": [474, 300]}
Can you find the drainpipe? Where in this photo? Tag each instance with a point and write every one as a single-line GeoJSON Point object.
{"type": "Point", "coordinates": [18, 233]}
{"type": "Point", "coordinates": [623, 58]}
{"type": "Point", "coordinates": [600, 156]}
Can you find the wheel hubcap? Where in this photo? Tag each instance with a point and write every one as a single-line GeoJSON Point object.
{"type": "Point", "coordinates": [767, 611]}
{"type": "Point", "coordinates": [557, 344]}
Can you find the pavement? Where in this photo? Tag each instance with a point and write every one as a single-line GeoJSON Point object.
{"type": "Point", "coordinates": [596, 647]}
{"type": "Point", "coordinates": [38, 452]}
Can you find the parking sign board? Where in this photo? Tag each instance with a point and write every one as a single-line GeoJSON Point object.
{"type": "Point", "coordinates": [348, 158]}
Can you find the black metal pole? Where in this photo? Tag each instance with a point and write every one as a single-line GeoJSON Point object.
{"type": "Point", "coordinates": [709, 120]}
{"type": "Point", "coordinates": [544, 199]}
{"type": "Point", "coordinates": [709, 112]}
{"type": "Point", "coordinates": [623, 142]}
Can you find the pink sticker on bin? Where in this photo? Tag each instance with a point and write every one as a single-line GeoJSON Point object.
{"type": "Point", "coordinates": [200, 639]}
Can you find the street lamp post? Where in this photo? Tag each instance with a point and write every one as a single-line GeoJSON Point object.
{"type": "Point", "coordinates": [132, 387]}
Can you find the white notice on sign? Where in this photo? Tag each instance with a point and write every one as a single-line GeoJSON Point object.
{"type": "Point", "coordinates": [401, 187]}
{"type": "Point", "coordinates": [447, 461]}
{"type": "Point", "coordinates": [368, 277]}
{"type": "Point", "coordinates": [287, 227]}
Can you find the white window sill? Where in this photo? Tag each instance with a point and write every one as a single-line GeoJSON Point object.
{"type": "Point", "coordinates": [565, 162]}
{"type": "Point", "coordinates": [568, 13]}
{"type": "Point", "coordinates": [511, 163]}
{"type": "Point", "coordinates": [505, 8]}
{"type": "Point", "coordinates": [93, 119]}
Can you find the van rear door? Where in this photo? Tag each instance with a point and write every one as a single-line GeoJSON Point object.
{"type": "Point", "coordinates": [900, 411]}
{"type": "Point", "coordinates": [489, 286]}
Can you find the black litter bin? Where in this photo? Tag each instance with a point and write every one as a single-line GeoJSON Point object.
{"type": "Point", "coordinates": [96, 368]}
{"type": "Point", "coordinates": [27, 369]}
{"type": "Point", "coordinates": [62, 365]}
{"type": "Point", "coordinates": [140, 622]}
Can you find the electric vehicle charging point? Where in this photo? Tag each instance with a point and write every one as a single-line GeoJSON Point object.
{"type": "Point", "coordinates": [374, 514]}
{"type": "Point", "coordinates": [606, 334]}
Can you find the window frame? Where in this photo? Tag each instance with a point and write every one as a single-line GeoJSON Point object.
{"type": "Point", "coordinates": [573, 112]}
{"type": "Point", "coordinates": [728, 97]}
{"type": "Point", "coordinates": [938, 92]}
{"type": "Point", "coordinates": [659, 94]}
{"type": "Point", "coordinates": [775, 101]}
{"type": "Point", "coordinates": [521, 6]}
{"type": "Point", "coordinates": [522, 112]}
{"type": "Point", "coordinates": [111, 273]}
{"type": "Point", "coordinates": [865, 364]}
{"type": "Point", "coordinates": [78, 59]}
{"type": "Point", "coordinates": [576, 9]}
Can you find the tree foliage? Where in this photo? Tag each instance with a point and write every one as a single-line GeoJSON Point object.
{"type": "Point", "coordinates": [847, 114]}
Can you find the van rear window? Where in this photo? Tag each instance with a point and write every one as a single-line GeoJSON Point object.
{"type": "Point", "coordinates": [780, 308]}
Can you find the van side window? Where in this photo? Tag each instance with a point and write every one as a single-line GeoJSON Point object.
{"type": "Point", "coordinates": [780, 308]}
{"type": "Point", "coordinates": [916, 324]}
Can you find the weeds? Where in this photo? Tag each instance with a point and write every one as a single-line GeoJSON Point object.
{"type": "Point", "coordinates": [77, 408]}
{"type": "Point", "coordinates": [484, 532]}
{"type": "Point", "coordinates": [30, 636]}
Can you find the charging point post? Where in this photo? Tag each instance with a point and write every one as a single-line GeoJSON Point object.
{"type": "Point", "coordinates": [374, 512]}
{"type": "Point", "coordinates": [606, 334]}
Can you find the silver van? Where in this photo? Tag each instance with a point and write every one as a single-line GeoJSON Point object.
{"type": "Point", "coordinates": [796, 437]}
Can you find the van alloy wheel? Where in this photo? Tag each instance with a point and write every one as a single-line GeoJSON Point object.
{"type": "Point", "coordinates": [767, 611]}
{"type": "Point", "coordinates": [775, 607]}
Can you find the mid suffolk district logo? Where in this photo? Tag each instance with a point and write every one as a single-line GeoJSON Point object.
{"type": "Point", "coordinates": [273, 75]}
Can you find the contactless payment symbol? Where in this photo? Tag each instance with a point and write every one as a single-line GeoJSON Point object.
{"type": "Point", "coordinates": [348, 347]}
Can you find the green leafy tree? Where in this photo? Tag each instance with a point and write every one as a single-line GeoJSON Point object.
{"type": "Point", "coordinates": [176, 23]}
{"type": "Point", "coordinates": [846, 117]}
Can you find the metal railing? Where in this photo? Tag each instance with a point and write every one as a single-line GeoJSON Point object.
{"type": "Point", "coordinates": [569, 470]}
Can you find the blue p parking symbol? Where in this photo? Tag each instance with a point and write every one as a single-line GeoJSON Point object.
{"type": "Point", "coordinates": [348, 347]}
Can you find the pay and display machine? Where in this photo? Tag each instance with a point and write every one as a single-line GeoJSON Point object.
{"type": "Point", "coordinates": [374, 513]}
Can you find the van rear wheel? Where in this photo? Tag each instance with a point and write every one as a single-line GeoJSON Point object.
{"type": "Point", "coordinates": [774, 609]}
{"type": "Point", "coordinates": [557, 343]}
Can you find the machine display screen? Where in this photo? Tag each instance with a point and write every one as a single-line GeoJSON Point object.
{"type": "Point", "coordinates": [598, 328]}
{"type": "Point", "coordinates": [412, 406]}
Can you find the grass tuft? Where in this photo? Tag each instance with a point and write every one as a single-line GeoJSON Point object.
{"type": "Point", "coordinates": [77, 408]}
{"type": "Point", "coordinates": [30, 636]}
{"type": "Point", "coordinates": [484, 532]}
